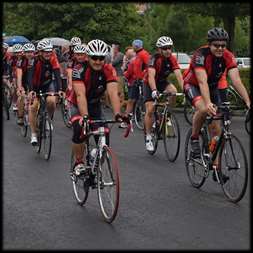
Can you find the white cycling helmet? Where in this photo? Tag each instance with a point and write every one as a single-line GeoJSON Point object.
{"type": "Point", "coordinates": [75, 41]}
{"type": "Point", "coordinates": [45, 45]}
{"type": "Point", "coordinates": [164, 41]}
{"type": "Point", "coordinates": [17, 48]}
{"type": "Point", "coordinates": [29, 47]}
{"type": "Point", "coordinates": [97, 47]}
{"type": "Point", "coordinates": [80, 49]}
{"type": "Point", "coordinates": [5, 45]}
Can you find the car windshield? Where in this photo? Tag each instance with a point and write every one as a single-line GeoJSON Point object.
{"type": "Point", "coordinates": [183, 58]}
{"type": "Point", "coordinates": [247, 62]}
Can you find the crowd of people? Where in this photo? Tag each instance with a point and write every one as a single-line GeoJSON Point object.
{"type": "Point", "coordinates": [85, 73]}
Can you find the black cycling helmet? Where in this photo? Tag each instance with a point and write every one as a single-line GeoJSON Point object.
{"type": "Point", "coordinates": [217, 33]}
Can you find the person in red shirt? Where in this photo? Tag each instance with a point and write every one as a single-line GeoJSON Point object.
{"type": "Point", "coordinates": [161, 65]}
{"type": "Point", "coordinates": [22, 66]}
{"type": "Point", "coordinates": [44, 75]}
{"type": "Point", "coordinates": [205, 84]}
{"type": "Point", "coordinates": [90, 79]}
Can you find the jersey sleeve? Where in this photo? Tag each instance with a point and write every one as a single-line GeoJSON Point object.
{"type": "Point", "coordinates": [229, 60]}
{"type": "Point", "coordinates": [110, 73]}
{"type": "Point", "coordinates": [174, 63]}
{"type": "Point", "coordinates": [198, 59]}
{"type": "Point", "coordinates": [54, 62]}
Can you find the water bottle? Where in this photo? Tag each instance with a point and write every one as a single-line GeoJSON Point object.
{"type": "Point", "coordinates": [213, 143]}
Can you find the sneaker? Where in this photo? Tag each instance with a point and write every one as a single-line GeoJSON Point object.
{"type": "Point", "coordinates": [149, 144]}
{"type": "Point", "coordinates": [195, 149]}
{"type": "Point", "coordinates": [34, 140]}
{"type": "Point", "coordinates": [123, 125]}
{"type": "Point", "coordinates": [14, 108]}
{"type": "Point", "coordinates": [224, 177]}
{"type": "Point", "coordinates": [48, 127]}
{"type": "Point", "coordinates": [20, 121]}
{"type": "Point", "coordinates": [79, 169]}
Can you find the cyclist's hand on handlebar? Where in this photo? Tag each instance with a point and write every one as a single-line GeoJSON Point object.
{"type": "Point", "coordinates": [155, 94]}
{"type": "Point", "coordinates": [211, 109]}
{"type": "Point", "coordinates": [61, 93]}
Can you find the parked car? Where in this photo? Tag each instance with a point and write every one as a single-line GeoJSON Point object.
{"type": "Point", "coordinates": [243, 62]}
{"type": "Point", "coordinates": [183, 59]}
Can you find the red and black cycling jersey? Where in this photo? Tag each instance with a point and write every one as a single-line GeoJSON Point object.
{"type": "Point", "coordinates": [25, 64]}
{"type": "Point", "coordinates": [43, 72]}
{"type": "Point", "coordinates": [95, 81]}
{"type": "Point", "coordinates": [163, 66]}
{"type": "Point", "coordinates": [215, 67]}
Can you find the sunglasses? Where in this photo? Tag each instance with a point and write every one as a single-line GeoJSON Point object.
{"type": "Point", "coordinates": [219, 45]}
{"type": "Point", "coordinates": [95, 58]}
{"type": "Point", "coordinates": [166, 48]}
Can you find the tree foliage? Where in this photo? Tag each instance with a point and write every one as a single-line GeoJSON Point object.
{"type": "Point", "coordinates": [185, 23]}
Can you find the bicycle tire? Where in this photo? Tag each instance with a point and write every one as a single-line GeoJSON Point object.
{"type": "Point", "coordinates": [64, 114]}
{"type": "Point", "coordinates": [6, 108]}
{"type": "Point", "coordinates": [108, 178]}
{"type": "Point", "coordinates": [80, 185]}
{"type": "Point", "coordinates": [139, 113]}
{"type": "Point", "coordinates": [232, 166]}
{"type": "Point", "coordinates": [39, 132]}
{"type": "Point", "coordinates": [247, 122]}
{"type": "Point", "coordinates": [188, 112]}
{"type": "Point", "coordinates": [194, 168]}
{"type": "Point", "coordinates": [8, 96]}
{"type": "Point", "coordinates": [47, 138]}
{"type": "Point", "coordinates": [24, 128]}
{"type": "Point", "coordinates": [171, 140]}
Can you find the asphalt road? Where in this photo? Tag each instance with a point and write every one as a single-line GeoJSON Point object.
{"type": "Point", "coordinates": [159, 209]}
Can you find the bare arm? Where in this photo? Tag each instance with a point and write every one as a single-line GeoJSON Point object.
{"type": "Point", "coordinates": [204, 90]}
{"type": "Point", "coordinates": [112, 90]}
{"type": "Point", "coordinates": [238, 85]}
{"type": "Point", "coordinates": [69, 78]}
{"type": "Point", "coordinates": [179, 77]}
{"type": "Point", "coordinates": [19, 74]}
{"type": "Point", "coordinates": [151, 78]}
{"type": "Point", "coordinates": [80, 92]}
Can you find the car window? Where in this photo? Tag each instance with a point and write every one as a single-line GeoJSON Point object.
{"type": "Point", "coordinates": [247, 61]}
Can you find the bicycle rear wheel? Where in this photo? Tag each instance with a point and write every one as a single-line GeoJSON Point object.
{"type": "Point", "coordinates": [80, 185]}
{"type": "Point", "coordinates": [108, 184]}
{"type": "Point", "coordinates": [65, 114]}
{"type": "Point", "coordinates": [171, 136]}
{"type": "Point", "coordinates": [139, 113]}
{"type": "Point", "coordinates": [47, 138]}
{"type": "Point", "coordinates": [194, 167]}
{"type": "Point", "coordinates": [233, 163]}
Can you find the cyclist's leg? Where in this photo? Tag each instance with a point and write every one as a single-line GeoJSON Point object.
{"type": "Point", "coordinates": [172, 89]}
{"type": "Point", "coordinates": [51, 100]}
{"type": "Point", "coordinates": [20, 104]}
{"type": "Point", "coordinates": [133, 93]}
{"type": "Point", "coordinates": [32, 114]}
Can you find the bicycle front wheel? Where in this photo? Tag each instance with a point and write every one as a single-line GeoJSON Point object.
{"type": "Point", "coordinates": [194, 167]}
{"type": "Point", "coordinates": [171, 136]}
{"type": "Point", "coordinates": [80, 185]}
{"type": "Point", "coordinates": [233, 163]}
{"type": "Point", "coordinates": [139, 113]}
{"type": "Point", "coordinates": [108, 184]}
{"type": "Point", "coordinates": [47, 138]}
{"type": "Point", "coordinates": [188, 112]}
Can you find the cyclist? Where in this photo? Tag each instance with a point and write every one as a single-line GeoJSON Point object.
{"type": "Point", "coordinates": [90, 80]}
{"type": "Point", "coordinates": [41, 78]}
{"type": "Point", "coordinates": [6, 63]}
{"type": "Point", "coordinates": [21, 72]}
{"type": "Point", "coordinates": [205, 84]}
{"type": "Point", "coordinates": [161, 65]}
{"type": "Point", "coordinates": [16, 56]}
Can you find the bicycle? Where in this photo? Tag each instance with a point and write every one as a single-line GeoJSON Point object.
{"type": "Point", "coordinates": [44, 126]}
{"type": "Point", "coordinates": [24, 127]}
{"type": "Point", "coordinates": [139, 107]}
{"type": "Point", "coordinates": [6, 96]}
{"type": "Point", "coordinates": [165, 127]}
{"type": "Point", "coordinates": [64, 112]}
{"type": "Point", "coordinates": [102, 170]}
{"type": "Point", "coordinates": [232, 158]}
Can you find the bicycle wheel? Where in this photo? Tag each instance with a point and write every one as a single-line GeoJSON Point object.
{"type": "Point", "coordinates": [6, 108]}
{"type": "Point", "coordinates": [39, 132]}
{"type": "Point", "coordinates": [194, 167]}
{"type": "Point", "coordinates": [65, 114]}
{"type": "Point", "coordinates": [188, 112]}
{"type": "Point", "coordinates": [139, 113]}
{"type": "Point", "coordinates": [247, 122]}
{"type": "Point", "coordinates": [47, 137]}
{"type": "Point", "coordinates": [8, 96]}
{"type": "Point", "coordinates": [80, 185]}
{"type": "Point", "coordinates": [233, 163]}
{"type": "Point", "coordinates": [24, 128]}
{"type": "Point", "coordinates": [108, 185]}
{"type": "Point", "coordinates": [171, 136]}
